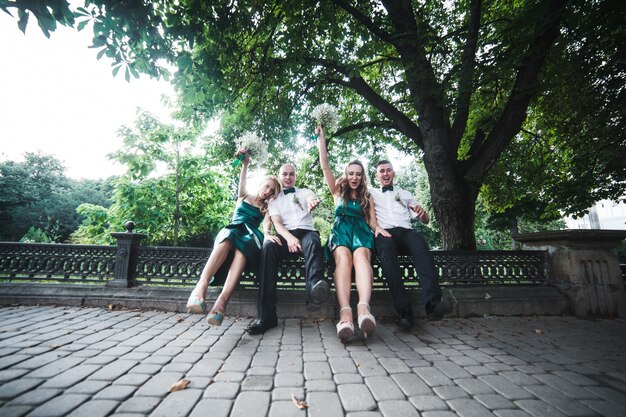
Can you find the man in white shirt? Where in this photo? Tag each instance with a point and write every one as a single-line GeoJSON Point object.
{"type": "Point", "coordinates": [395, 208]}
{"type": "Point", "coordinates": [290, 213]}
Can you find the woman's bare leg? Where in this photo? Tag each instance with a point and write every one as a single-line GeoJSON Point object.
{"type": "Point", "coordinates": [343, 280]}
{"type": "Point", "coordinates": [363, 278]}
{"type": "Point", "coordinates": [232, 280]}
{"type": "Point", "coordinates": [216, 259]}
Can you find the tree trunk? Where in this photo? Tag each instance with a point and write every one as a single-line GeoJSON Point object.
{"type": "Point", "coordinates": [177, 208]}
{"type": "Point", "coordinates": [453, 199]}
{"type": "Point", "coordinates": [514, 231]}
{"type": "Point", "coordinates": [455, 214]}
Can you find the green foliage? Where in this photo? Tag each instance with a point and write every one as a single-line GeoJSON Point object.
{"type": "Point", "coordinates": [172, 189]}
{"type": "Point", "coordinates": [47, 13]}
{"type": "Point", "coordinates": [323, 226]}
{"type": "Point", "coordinates": [496, 231]}
{"type": "Point", "coordinates": [454, 81]}
{"type": "Point", "coordinates": [35, 195]}
{"type": "Point", "coordinates": [571, 150]}
{"type": "Point", "coordinates": [97, 225]}
{"type": "Point", "coordinates": [36, 235]}
{"type": "Point", "coordinates": [204, 206]}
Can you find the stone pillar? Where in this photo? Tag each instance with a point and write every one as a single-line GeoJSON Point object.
{"type": "Point", "coordinates": [126, 258]}
{"type": "Point", "coordinates": [584, 264]}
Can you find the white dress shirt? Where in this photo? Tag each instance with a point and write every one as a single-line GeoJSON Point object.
{"type": "Point", "coordinates": [392, 208]}
{"type": "Point", "coordinates": [292, 208]}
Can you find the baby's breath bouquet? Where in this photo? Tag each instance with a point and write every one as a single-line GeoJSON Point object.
{"type": "Point", "coordinates": [327, 116]}
{"type": "Point", "coordinates": [250, 144]}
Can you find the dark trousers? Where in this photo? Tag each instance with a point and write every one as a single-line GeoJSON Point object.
{"type": "Point", "coordinates": [407, 242]}
{"type": "Point", "coordinates": [273, 254]}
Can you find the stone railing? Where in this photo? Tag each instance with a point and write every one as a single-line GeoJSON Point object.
{"type": "Point", "coordinates": [582, 265]}
{"type": "Point", "coordinates": [57, 262]}
{"type": "Point", "coordinates": [128, 265]}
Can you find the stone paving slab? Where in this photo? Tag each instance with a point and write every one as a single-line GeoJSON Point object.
{"type": "Point", "coordinates": [72, 361]}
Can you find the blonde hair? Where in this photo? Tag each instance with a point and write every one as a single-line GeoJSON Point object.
{"type": "Point", "coordinates": [277, 190]}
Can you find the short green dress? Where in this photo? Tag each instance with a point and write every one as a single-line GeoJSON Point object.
{"type": "Point", "coordinates": [350, 228]}
{"type": "Point", "coordinates": [244, 232]}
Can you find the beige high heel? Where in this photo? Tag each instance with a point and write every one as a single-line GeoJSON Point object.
{"type": "Point", "coordinates": [367, 322]}
{"type": "Point", "coordinates": [345, 329]}
{"type": "Point", "coordinates": [195, 305]}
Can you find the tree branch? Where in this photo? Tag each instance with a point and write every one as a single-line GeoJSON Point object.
{"type": "Point", "coordinates": [363, 19]}
{"type": "Point", "coordinates": [399, 119]}
{"type": "Point", "coordinates": [467, 73]}
{"type": "Point", "coordinates": [525, 89]}
{"type": "Point", "coordinates": [425, 91]}
{"type": "Point", "coordinates": [365, 125]}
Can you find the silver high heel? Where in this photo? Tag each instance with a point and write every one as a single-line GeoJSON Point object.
{"type": "Point", "coordinates": [345, 329]}
{"type": "Point", "coordinates": [367, 322]}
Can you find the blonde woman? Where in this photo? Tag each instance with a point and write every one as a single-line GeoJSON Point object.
{"type": "Point", "coordinates": [237, 247]}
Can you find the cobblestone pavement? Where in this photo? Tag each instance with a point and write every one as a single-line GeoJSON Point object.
{"type": "Point", "coordinates": [67, 361]}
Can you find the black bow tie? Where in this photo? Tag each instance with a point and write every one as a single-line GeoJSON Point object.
{"type": "Point", "coordinates": [289, 190]}
{"type": "Point", "coordinates": [388, 188]}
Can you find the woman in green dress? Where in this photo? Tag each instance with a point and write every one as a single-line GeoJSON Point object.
{"type": "Point", "coordinates": [351, 241]}
{"type": "Point", "coordinates": [237, 247]}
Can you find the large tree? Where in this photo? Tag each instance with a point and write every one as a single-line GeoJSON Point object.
{"type": "Point", "coordinates": [452, 81]}
{"type": "Point", "coordinates": [171, 188]}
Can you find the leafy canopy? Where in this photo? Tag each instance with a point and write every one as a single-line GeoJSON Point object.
{"type": "Point", "coordinates": [453, 82]}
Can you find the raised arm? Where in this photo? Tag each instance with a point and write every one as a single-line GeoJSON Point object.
{"type": "Point", "coordinates": [328, 174]}
{"type": "Point", "coordinates": [242, 177]}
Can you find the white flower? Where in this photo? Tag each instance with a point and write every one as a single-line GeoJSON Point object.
{"type": "Point", "coordinates": [254, 146]}
{"type": "Point", "coordinates": [296, 200]}
{"type": "Point", "coordinates": [327, 116]}
{"type": "Point", "coordinates": [399, 200]}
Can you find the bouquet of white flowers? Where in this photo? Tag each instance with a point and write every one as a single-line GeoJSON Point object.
{"type": "Point", "coordinates": [327, 116]}
{"type": "Point", "coordinates": [250, 144]}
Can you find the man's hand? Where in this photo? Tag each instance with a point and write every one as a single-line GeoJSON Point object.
{"type": "Point", "coordinates": [294, 244]}
{"type": "Point", "coordinates": [380, 231]}
{"type": "Point", "coordinates": [274, 239]}
{"type": "Point", "coordinates": [312, 203]}
{"type": "Point", "coordinates": [421, 213]}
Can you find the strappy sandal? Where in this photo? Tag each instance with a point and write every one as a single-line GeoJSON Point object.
{"type": "Point", "coordinates": [345, 329]}
{"type": "Point", "coordinates": [214, 318]}
{"type": "Point", "coordinates": [194, 304]}
{"type": "Point", "coordinates": [367, 322]}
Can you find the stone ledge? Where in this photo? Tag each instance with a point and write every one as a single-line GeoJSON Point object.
{"type": "Point", "coordinates": [470, 301]}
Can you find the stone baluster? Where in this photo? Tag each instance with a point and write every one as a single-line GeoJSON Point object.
{"type": "Point", "coordinates": [126, 259]}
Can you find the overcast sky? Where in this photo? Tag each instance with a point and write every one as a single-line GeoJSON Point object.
{"type": "Point", "coordinates": [56, 97]}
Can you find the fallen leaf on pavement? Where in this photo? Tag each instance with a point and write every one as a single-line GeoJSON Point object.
{"type": "Point", "coordinates": [301, 404]}
{"type": "Point", "coordinates": [182, 384]}
{"type": "Point", "coordinates": [180, 318]}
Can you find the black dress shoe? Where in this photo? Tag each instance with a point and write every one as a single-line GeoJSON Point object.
{"type": "Point", "coordinates": [438, 309]}
{"type": "Point", "coordinates": [318, 295]}
{"type": "Point", "coordinates": [405, 322]}
{"type": "Point", "coordinates": [261, 326]}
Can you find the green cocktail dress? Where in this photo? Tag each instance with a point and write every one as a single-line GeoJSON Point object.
{"type": "Point", "coordinates": [243, 231]}
{"type": "Point", "coordinates": [350, 228]}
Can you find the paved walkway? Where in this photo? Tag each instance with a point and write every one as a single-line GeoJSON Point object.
{"type": "Point", "coordinates": [62, 361]}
